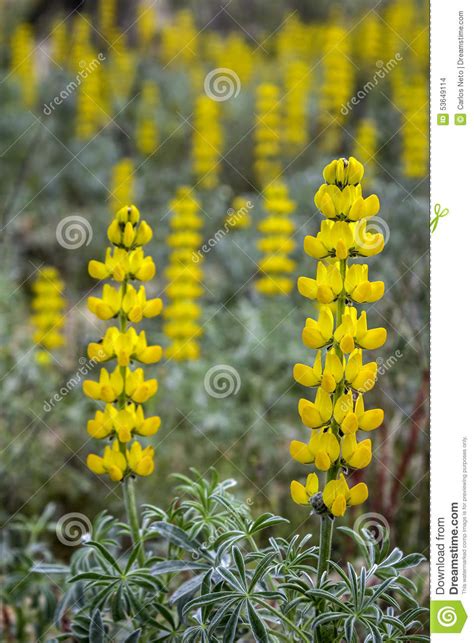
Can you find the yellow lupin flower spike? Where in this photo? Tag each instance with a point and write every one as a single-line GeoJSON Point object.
{"type": "Point", "coordinates": [184, 276]}
{"type": "Point", "coordinates": [48, 313]}
{"type": "Point", "coordinates": [276, 244]}
{"type": "Point", "coordinates": [123, 390]}
{"type": "Point", "coordinates": [339, 336]}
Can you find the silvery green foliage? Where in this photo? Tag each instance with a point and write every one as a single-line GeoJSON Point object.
{"type": "Point", "coordinates": [213, 574]}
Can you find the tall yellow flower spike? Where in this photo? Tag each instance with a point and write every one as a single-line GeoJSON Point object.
{"type": "Point", "coordinates": [48, 313]}
{"type": "Point", "coordinates": [122, 184]}
{"type": "Point", "coordinates": [336, 414]}
{"type": "Point", "coordinates": [184, 277]}
{"type": "Point", "coordinates": [147, 133]}
{"type": "Point", "coordinates": [276, 243]}
{"type": "Point", "coordinates": [267, 133]}
{"type": "Point", "coordinates": [123, 390]}
{"type": "Point", "coordinates": [207, 142]}
{"type": "Point", "coordinates": [365, 146]}
{"type": "Point", "coordinates": [23, 63]}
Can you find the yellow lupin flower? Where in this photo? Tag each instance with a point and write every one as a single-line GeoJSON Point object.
{"type": "Point", "coordinates": [337, 496]}
{"type": "Point", "coordinates": [207, 142]}
{"type": "Point", "coordinates": [23, 63]}
{"type": "Point", "coordinates": [123, 390]}
{"type": "Point", "coordinates": [339, 373]}
{"type": "Point", "coordinates": [300, 493]}
{"type": "Point", "coordinates": [267, 133]}
{"type": "Point", "coordinates": [184, 276]}
{"type": "Point", "coordinates": [277, 229]}
{"type": "Point", "coordinates": [147, 134]}
{"type": "Point", "coordinates": [121, 186]}
{"type": "Point", "coordinates": [47, 317]}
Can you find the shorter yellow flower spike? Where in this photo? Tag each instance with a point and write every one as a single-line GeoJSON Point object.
{"type": "Point", "coordinates": [317, 334]}
{"type": "Point", "coordinates": [239, 216]}
{"type": "Point", "coordinates": [122, 184]}
{"type": "Point", "coordinates": [337, 495]}
{"type": "Point", "coordinates": [317, 413]}
{"type": "Point", "coordinates": [275, 265]}
{"type": "Point", "coordinates": [184, 277]}
{"type": "Point", "coordinates": [356, 455]}
{"type": "Point", "coordinates": [301, 494]}
{"type": "Point", "coordinates": [322, 450]}
{"type": "Point", "coordinates": [48, 313]}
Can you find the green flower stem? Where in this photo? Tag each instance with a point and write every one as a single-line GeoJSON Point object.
{"type": "Point", "coordinates": [327, 523]}
{"type": "Point", "coordinates": [325, 544]}
{"type": "Point", "coordinates": [132, 516]}
{"type": "Point", "coordinates": [128, 484]}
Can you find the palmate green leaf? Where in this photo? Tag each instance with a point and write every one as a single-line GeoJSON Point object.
{"type": "Point", "coordinates": [409, 561]}
{"type": "Point", "coordinates": [105, 555]}
{"type": "Point", "coordinates": [92, 576]}
{"type": "Point", "coordinates": [232, 624]}
{"type": "Point", "coordinates": [96, 628]}
{"type": "Point", "coordinates": [172, 566]}
{"type": "Point", "coordinates": [265, 521]}
{"type": "Point", "coordinates": [322, 594]}
{"type": "Point", "coordinates": [134, 637]}
{"type": "Point", "coordinates": [349, 628]}
{"type": "Point", "coordinates": [240, 565]}
{"type": "Point", "coordinates": [260, 571]}
{"type": "Point", "coordinates": [50, 569]}
{"type": "Point", "coordinates": [178, 537]}
{"type": "Point", "coordinates": [209, 599]}
{"type": "Point", "coordinates": [187, 589]}
{"type": "Point", "coordinates": [231, 579]}
{"type": "Point", "coordinates": [258, 627]}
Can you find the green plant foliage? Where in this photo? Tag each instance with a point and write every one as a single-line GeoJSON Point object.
{"type": "Point", "coordinates": [214, 573]}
